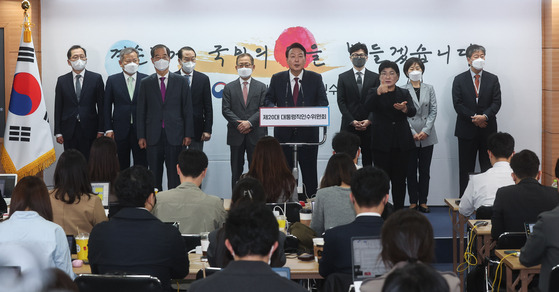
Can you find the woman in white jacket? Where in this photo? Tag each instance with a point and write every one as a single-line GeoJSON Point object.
{"type": "Point", "coordinates": [423, 130]}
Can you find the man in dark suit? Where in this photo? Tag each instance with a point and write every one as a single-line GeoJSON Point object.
{"type": "Point", "coordinates": [164, 117]}
{"type": "Point", "coordinates": [353, 86]}
{"type": "Point", "coordinates": [78, 104]}
{"type": "Point", "coordinates": [200, 92]}
{"type": "Point", "coordinates": [120, 121]}
{"type": "Point", "coordinates": [521, 203]}
{"type": "Point", "coordinates": [476, 95]}
{"type": "Point", "coordinates": [369, 195]}
{"type": "Point", "coordinates": [251, 234]}
{"type": "Point", "coordinates": [287, 89]}
{"type": "Point", "coordinates": [134, 241]}
{"type": "Point", "coordinates": [241, 102]}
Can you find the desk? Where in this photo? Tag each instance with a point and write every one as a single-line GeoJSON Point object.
{"type": "Point", "coordinates": [458, 225]}
{"type": "Point", "coordinates": [525, 275]}
{"type": "Point", "coordinates": [484, 242]}
{"type": "Point", "coordinates": [299, 269]}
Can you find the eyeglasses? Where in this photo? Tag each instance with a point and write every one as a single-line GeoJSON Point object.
{"type": "Point", "coordinates": [76, 57]}
{"type": "Point", "coordinates": [247, 65]}
{"type": "Point", "coordinates": [184, 60]}
{"type": "Point", "coordinates": [355, 56]}
{"type": "Point", "coordinates": [385, 74]}
{"type": "Point", "coordinates": [157, 58]}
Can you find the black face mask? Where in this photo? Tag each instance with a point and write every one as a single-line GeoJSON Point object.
{"type": "Point", "coordinates": [358, 62]}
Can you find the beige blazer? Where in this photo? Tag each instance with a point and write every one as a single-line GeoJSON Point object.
{"type": "Point", "coordinates": [78, 217]}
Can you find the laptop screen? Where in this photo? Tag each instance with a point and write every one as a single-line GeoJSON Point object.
{"type": "Point", "coordinates": [366, 259]}
{"type": "Point", "coordinates": [101, 189]}
{"type": "Point", "coordinates": [7, 183]}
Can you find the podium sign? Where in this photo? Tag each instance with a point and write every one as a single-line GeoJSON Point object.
{"type": "Point", "coordinates": [294, 116]}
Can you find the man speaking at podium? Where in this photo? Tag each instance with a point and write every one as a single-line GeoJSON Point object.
{"type": "Point", "coordinates": [298, 88]}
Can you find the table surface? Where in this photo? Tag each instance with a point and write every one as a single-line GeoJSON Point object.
{"type": "Point", "coordinates": [512, 261]}
{"type": "Point", "coordinates": [299, 269]}
{"type": "Point", "coordinates": [481, 230]}
{"type": "Point", "coordinates": [451, 202]}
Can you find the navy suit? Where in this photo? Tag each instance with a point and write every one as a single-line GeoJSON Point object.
{"type": "Point", "coordinates": [164, 143]}
{"type": "Point", "coordinates": [200, 91]}
{"type": "Point", "coordinates": [121, 118]}
{"type": "Point", "coordinates": [472, 140]}
{"type": "Point", "coordinates": [312, 93]}
{"type": "Point", "coordinates": [79, 134]}
{"type": "Point", "coordinates": [336, 255]}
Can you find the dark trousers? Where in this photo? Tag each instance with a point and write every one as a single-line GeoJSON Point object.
{"type": "Point", "coordinates": [130, 143]}
{"type": "Point", "coordinates": [80, 140]}
{"type": "Point", "coordinates": [366, 150]}
{"type": "Point", "coordinates": [164, 152]}
{"type": "Point", "coordinates": [307, 157]}
{"type": "Point", "coordinates": [468, 149]}
{"type": "Point", "coordinates": [238, 159]}
{"type": "Point", "coordinates": [395, 164]}
{"type": "Point", "coordinates": [418, 188]}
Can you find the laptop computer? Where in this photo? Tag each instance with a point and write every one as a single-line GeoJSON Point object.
{"type": "Point", "coordinates": [7, 183]}
{"type": "Point", "coordinates": [529, 228]}
{"type": "Point", "coordinates": [365, 259]}
{"type": "Point", "coordinates": [102, 189]}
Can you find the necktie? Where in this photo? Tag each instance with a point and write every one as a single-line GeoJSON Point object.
{"type": "Point", "coordinates": [187, 79]}
{"type": "Point", "coordinates": [359, 82]}
{"type": "Point", "coordinates": [476, 82]}
{"type": "Point", "coordinates": [245, 92]}
{"type": "Point", "coordinates": [130, 87]}
{"type": "Point", "coordinates": [78, 87]}
{"type": "Point", "coordinates": [163, 90]}
{"type": "Point", "coordinates": [296, 91]}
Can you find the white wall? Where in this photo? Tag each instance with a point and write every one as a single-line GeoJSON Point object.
{"type": "Point", "coordinates": [509, 29]}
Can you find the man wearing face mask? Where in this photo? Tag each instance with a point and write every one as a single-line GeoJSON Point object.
{"type": "Point", "coordinates": [121, 96]}
{"type": "Point", "coordinates": [476, 95]}
{"type": "Point", "coordinates": [164, 117]}
{"type": "Point", "coordinates": [200, 91]}
{"type": "Point", "coordinates": [353, 86]}
{"type": "Point", "coordinates": [241, 101]}
{"type": "Point", "coordinates": [78, 104]}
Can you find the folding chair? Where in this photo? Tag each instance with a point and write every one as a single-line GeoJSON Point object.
{"type": "Point", "coordinates": [118, 283]}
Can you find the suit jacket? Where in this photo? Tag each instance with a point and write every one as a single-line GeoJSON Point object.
{"type": "Point", "coordinates": [425, 115]}
{"type": "Point", "coordinates": [135, 242]}
{"type": "Point", "coordinates": [202, 109]}
{"type": "Point", "coordinates": [521, 203]}
{"type": "Point", "coordinates": [336, 255]}
{"type": "Point", "coordinates": [350, 101]}
{"type": "Point", "coordinates": [176, 111]}
{"type": "Point", "coordinates": [116, 93]}
{"type": "Point", "coordinates": [542, 247]}
{"type": "Point", "coordinates": [234, 109]}
{"type": "Point", "coordinates": [312, 93]}
{"type": "Point", "coordinates": [245, 276]}
{"type": "Point", "coordinates": [80, 216]}
{"type": "Point", "coordinates": [89, 108]}
{"type": "Point", "coordinates": [465, 105]}
{"type": "Point", "coordinates": [390, 127]}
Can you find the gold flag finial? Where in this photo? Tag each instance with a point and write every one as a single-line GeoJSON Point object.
{"type": "Point", "coordinates": [27, 24]}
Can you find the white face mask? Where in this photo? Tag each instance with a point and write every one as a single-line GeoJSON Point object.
{"type": "Point", "coordinates": [478, 63]}
{"type": "Point", "coordinates": [244, 72]}
{"type": "Point", "coordinates": [78, 64]}
{"type": "Point", "coordinates": [131, 68]}
{"type": "Point", "coordinates": [415, 75]}
{"type": "Point", "coordinates": [161, 64]}
{"type": "Point", "coordinates": [188, 67]}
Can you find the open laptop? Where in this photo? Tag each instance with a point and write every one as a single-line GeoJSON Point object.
{"type": "Point", "coordinates": [529, 228]}
{"type": "Point", "coordinates": [102, 189]}
{"type": "Point", "coordinates": [365, 259]}
{"type": "Point", "coordinates": [7, 183]}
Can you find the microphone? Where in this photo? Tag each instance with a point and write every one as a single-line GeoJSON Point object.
{"type": "Point", "coordinates": [286, 91]}
{"type": "Point", "coordinates": [301, 92]}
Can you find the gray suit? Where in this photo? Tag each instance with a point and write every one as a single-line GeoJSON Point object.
{"type": "Point", "coordinates": [420, 157]}
{"type": "Point", "coordinates": [234, 109]}
{"type": "Point", "coordinates": [164, 143]}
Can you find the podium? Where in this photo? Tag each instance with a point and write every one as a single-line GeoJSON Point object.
{"type": "Point", "coordinates": [297, 117]}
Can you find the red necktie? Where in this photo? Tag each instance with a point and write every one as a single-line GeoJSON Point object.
{"type": "Point", "coordinates": [476, 82]}
{"type": "Point", "coordinates": [296, 91]}
{"type": "Point", "coordinates": [245, 92]}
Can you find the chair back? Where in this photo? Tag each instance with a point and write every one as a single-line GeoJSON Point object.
{"type": "Point", "coordinates": [511, 240]}
{"type": "Point", "coordinates": [118, 283]}
{"type": "Point", "coordinates": [484, 212]}
{"type": "Point", "coordinates": [554, 279]}
{"type": "Point", "coordinates": [206, 272]}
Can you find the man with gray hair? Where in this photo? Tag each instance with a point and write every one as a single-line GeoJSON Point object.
{"type": "Point", "coordinates": [120, 121]}
{"type": "Point", "coordinates": [476, 95]}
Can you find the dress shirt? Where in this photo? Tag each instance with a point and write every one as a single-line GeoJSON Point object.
{"type": "Point", "coordinates": [46, 239]}
{"type": "Point", "coordinates": [362, 72]}
{"type": "Point", "coordinates": [241, 80]}
{"type": "Point", "coordinates": [189, 77]}
{"type": "Point", "coordinates": [134, 78]}
{"type": "Point", "coordinates": [74, 74]}
{"type": "Point", "coordinates": [482, 187]}
{"type": "Point", "coordinates": [166, 81]}
{"type": "Point", "coordinates": [368, 214]}
{"type": "Point", "coordinates": [292, 81]}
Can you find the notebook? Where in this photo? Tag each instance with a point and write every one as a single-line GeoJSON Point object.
{"type": "Point", "coordinates": [366, 261]}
